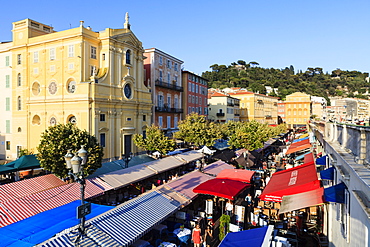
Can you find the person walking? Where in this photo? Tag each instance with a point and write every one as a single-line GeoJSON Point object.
{"type": "Point", "coordinates": [196, 236]}
{"type": "Point", "coordinates": [208, 236]}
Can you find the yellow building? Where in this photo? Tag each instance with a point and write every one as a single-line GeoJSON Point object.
{"type": "Point", "coordinates": [222, 107]}
{"type": "Point", "coordinates": [297, 109]}
{"type": "Point", "coordinates": [93, 79]}
{"type": "Point", "coordinates": [253, 106]}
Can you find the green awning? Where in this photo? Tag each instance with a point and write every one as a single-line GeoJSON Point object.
{"type": "Point", "coordinates": [25, 162]}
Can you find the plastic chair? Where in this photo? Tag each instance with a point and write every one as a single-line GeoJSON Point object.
{"type": "Point", "coordinates": [158, 242]}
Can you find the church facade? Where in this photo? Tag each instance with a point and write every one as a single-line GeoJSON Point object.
{"type": "Point", "coordinates": [92, 79]}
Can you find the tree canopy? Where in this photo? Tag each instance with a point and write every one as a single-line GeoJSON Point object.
{"type": "Point", "coordinates": [252, 135]}
{"type": "Point", "coordinates": [58, 139]}
{"type": "Point", "coordinates": [154, 140]}
{"type": "Point", "coordinates": [313, 81]}
{"type": "Point", "coordinates": [198, 131]}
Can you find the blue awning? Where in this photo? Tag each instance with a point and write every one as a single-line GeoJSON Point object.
{"type": "Point", "coordinates": [41, 227]}
{"type": "Point", "coordinates": [127, 222]}
{"type": "Point", "coordinates": [335, 193]}
{"type": "Point", "coordinates": [328, 173]}
{"type": "Point", "coordinates": [250, 238]}
{"type": "Point", "coordinates": [301, 156]}
{"type": "Point", "coordinates": [322, 160]}
{"type": "Point", "coordinates": [298, 140]}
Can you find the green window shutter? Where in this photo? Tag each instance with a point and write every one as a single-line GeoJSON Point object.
{"type": "Point", "coordinates": [7, 106]}
{"type": "Point", "coordinates": [7, 61]}
{"type": "Point", "coordinates": [7, 81]}
{"type": "Point", "coordinates": [8, 126]}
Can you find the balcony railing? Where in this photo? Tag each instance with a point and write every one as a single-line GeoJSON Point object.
{"type": "Point", "coordinates": [163, 84]}
{"type": "Point", "coordinates": [168, 109]}
{"type": "Point", "coordinates": [230, 104]}
{"type": "Point", "coordinates": [220, 114]}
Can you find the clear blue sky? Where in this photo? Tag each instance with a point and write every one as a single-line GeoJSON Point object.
{"type": "Point", "coordinates": [319, 33]}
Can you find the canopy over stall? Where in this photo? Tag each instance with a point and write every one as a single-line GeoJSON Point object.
{"type": "Point", "coordinates": [23, 163]}
{"type": "Point", "coordinates": [206, 150]}
{"type": "Point", "coordinates": [216, 167]}
{"type": "Point", "coordinates": [258, 237]}
{"type": "Point", "coordinates": [185, 184]}
{"type": "Point", "coordinates": [45, 225]}
{"type": "Point", "coordinates": [236, 174]}
{"type": "Point", "coordinates": [299, 157]}
{"type": "Point", "coordinates": [309, 159]}
{"type": "Point", "coordinates": [302, 200]}
{"type": "Point", "coordinates": [224, 155]}
{"type": "Point", "coordinates": [301, 139]}
{"type": "Point", "coordinates": [225, 188]}
{"type": "Point", "coordinates": [291, 181]}
{"type": "Point", "coordinates": [298, 146]}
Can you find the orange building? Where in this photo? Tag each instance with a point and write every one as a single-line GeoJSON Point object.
{"type": "Point", "coordinates": [163, 76]}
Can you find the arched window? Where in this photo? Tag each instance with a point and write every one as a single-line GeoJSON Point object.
{"type": "Point", "coordinates": [128, 57]}
{"type": "Point", "coordinates": [19, 80]}
{"type": "Point", "coordinates": [19, 103]}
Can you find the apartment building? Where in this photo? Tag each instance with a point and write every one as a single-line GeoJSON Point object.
{"type": "Point", "coordinates": [93, 79]}
{"type": "Point", "coordinates": [195, 93]}
{"type": "Point", "coordinates": [222, 107]}
{"type": "Point", "coordinates": [6, 101]}
{"type": "Point", "coordinates": [318, 107]}
{"type": "Point", "coordinates": [163, 76]}
{"type": "Point", "coordinates": [297, 109]}
{"type": "Point", "coordinates": [253, 106]}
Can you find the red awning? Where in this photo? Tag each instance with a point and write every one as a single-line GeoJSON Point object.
{"type": "Point", "coordinates": [225, 188]}
{"type": "Point", "coordinates": [309, 159]}
{"type": "Point", "coordinates": [302, 200]}
{"type": "Point", "coordinates": [291, 181]}
{"type": "Point", "coordinates": [236, 174]}
{"type": "Point", "coordinates": [299, 148]}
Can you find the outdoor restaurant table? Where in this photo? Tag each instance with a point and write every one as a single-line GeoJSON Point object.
{"type": "Point", "coordinates": [167, 244]}
{"type": "Point", "coordinates": [183, 235]}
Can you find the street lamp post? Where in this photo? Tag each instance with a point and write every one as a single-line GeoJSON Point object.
{"type": "Point", "coordinates": [75, 164]}
{"type": "Point", "coordinates": [127, 158]}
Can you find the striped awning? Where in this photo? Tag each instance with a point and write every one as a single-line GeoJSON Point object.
{"type": "Point", "coordinates": [19, 208]}
{"type": "Point", "coordinates": [28, 187]}
{"type": "Point", "coordinates": [130, 221]}
{"type": "Point", "coordinates": [93, 237]}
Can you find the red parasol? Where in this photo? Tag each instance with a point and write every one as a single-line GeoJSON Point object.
{"type": "Point", "coordinates": [225, 188]}
{"type": "Point", "coordinates": [236, 174]}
